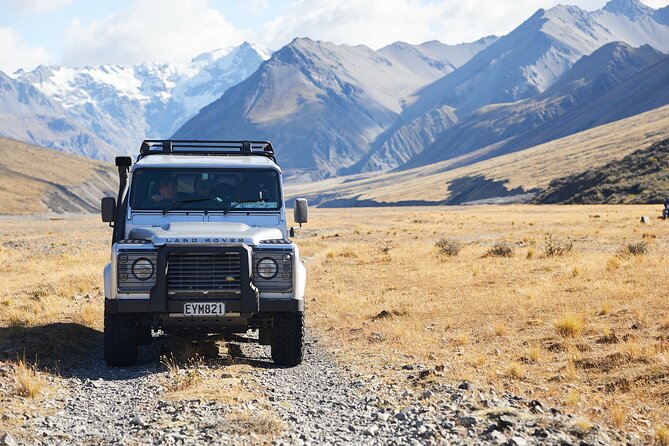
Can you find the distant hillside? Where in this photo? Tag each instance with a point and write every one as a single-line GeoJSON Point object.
{"type": "Point", "coordinates": [639, 178]}
{"type": "Point", "coordinates": [514, 177]}
{"type": "Point", "coordinates": [613, 83]}
{"type": "Point", "coordinates": [37, 180]}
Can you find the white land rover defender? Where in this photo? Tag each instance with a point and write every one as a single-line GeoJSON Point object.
{"type": "Point", "coordinates": [201, 245]}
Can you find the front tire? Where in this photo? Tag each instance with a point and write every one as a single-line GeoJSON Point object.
{"type": "Point", "coordinates": [287, 342]}
{"type": "Point", "coordinates": [120, 340]}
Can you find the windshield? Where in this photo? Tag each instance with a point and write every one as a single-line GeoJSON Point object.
{"type": "Point", "coordinates": [205, 189]}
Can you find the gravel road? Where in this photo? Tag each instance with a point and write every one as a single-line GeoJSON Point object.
{"type": "Point", "coordinates": [318, 403]}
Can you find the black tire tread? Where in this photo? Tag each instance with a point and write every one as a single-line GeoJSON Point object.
{"type": "Point", "coordinates": [120, 340]}
{"type": "Point", "coordinates": [288, 339]}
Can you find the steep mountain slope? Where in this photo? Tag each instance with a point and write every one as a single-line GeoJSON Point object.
{"type": "Point", "coordinates": [640, 177]}
{"type": "Point", "coordinates": [563, 109]}
{"type": "Point", "coordinates": [508, 178]}
{"type": "Point", "coordinates": [434, 58]}
{"type": "Point", "coordinates": [37, 180]}
{"type": "Point", "coordinates": [321, 104]}
{"type": "Point", "coordinates": [124, 105]}
{"type": "Point", "coordinates": [28, 115]}
{"type": "Point", "coordinates": [518, 66]}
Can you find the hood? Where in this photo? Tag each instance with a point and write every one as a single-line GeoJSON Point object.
{"type": "Point", "coordinates": [204, 233]}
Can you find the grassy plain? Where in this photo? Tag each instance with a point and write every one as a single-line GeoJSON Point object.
{"type": "Point", "coordinates": [586, 330]}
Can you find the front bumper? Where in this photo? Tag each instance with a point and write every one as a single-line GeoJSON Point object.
{"type": "Point", "coordinates": [144, 306]}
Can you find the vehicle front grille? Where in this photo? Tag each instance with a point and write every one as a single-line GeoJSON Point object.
{"type": "Point", "coordinates": [200, 273]}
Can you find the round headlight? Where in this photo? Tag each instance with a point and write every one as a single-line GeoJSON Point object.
{"type": "Point", "coordinates": [267, 268]}
{"type": "Point", "coordinates": [142, 269]}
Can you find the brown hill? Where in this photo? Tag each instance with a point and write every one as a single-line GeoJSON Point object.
{"type": "Point", "coordinates": [36, 180]}
{"type": "Point", "coordinates": [639, 178]}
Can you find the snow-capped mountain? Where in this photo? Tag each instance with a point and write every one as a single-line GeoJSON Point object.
{"type": "Point", "coordinates": [323, 104]}
{"type": "Point", "coordinates": [123, 105]}
{"type": "Point", "coordinates": [26, 114]}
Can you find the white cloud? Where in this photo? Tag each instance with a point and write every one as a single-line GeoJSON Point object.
{"type": "Point", "coordinates": [150, 30]}
{"type": "Point", "coordinates": [379, 22]}
{"type": "Point", "coordinates": [15, 53]}
{"type": "Point", "coordinates": [35, 6]}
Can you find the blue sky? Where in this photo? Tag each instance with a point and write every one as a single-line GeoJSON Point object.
{"type": "Point", "coordinates": [89, 32]}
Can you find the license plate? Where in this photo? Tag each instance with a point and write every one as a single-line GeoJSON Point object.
{"type": "Point", "coordinates": [204, 309]}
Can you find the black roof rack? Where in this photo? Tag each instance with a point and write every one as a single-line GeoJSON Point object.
{"type": "Point", "coordinates": [203, 147]}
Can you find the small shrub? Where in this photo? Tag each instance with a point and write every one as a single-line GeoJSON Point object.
{"type": "Point", "coordinates": [612, 264]}
{"type": "Point", "coordinates": [534, 353]}
{"type": "Point", "coordinates": [448, 247]}
{"type": "Point", "coordinates": [605, 310]}
{"type": "Point", "coordinates": [554, 246]}
{"type": "Point", "coordinates": [662, 435]}
{"type": "Point", "coordinates": [27, 382]}
{"type": "Point", "coordinates": [583, 425]}
{"type": "Point", "coordinates": [181, 379]}
{"type": "Point", "coordinates": [263, 423]}
{"type": "Point", "coordinates": [569, 325]}
{"type": "Point", "coordinates": [515, 370]}
{"type": "Point", "coordinates": [500, 329]}
{"type": "Point", "coordinates": [636, 249]}
{"type": "Point", "coordinates": [500, 249]}
{"type": "Point", "coordinates": [530, 253]}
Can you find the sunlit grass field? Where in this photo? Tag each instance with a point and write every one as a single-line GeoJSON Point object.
{"type": "Point", "coordinates": [563, 304]}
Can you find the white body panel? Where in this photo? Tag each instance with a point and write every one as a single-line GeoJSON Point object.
{"type": "Point", "coordinates": [181, 227]}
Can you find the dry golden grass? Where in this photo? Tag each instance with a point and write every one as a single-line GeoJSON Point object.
{"type": "Point", "coordinates": [181, 378]}
{"type": "Point", "coordinates": [590, 322]}
{"type": "Point", "coordinates": [263, 423]}
{"type": "Point", "coordinates": [27, 380]}
{"type": "Point", "coordinates": [569, 325]}
{"type": "Point", "coordinates": [662, 435]}
{"type": "Point", "coordinates": [29, 172]}
{"type": "Point", "coordinates": [380, 296]}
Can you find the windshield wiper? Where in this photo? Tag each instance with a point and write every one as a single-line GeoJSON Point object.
{"type": "Point", "coordinates": [225, 211]}
{"type": "Point", "coordinates": [177, 204]}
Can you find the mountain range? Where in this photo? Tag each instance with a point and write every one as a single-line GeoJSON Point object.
{"type": "Point", "coordinates": [341, 110]}
{"type": "Point", "coordinates": [101, 111]}
{"type": "Point", "coordinates": [345, 110]}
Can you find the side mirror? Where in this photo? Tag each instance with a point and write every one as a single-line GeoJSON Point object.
{"type": "Point", "coordinates": [301, 210]}
{"type": "Point", "coordinates": [108, 209]}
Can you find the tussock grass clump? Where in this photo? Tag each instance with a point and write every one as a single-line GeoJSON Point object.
{"type": "Point", "coordinates": [555, 246]}
{"type": "Point", "coordinates": [662, 435]}
{"type": "Point", "coordinates": [448, 247]}
{"type": "Point", "coordinates": [182, 378]}
{"type": "Point", "coordinates": [262, 423]}
{"type": "Point", "coordinates": [569, 325]}
{"type": "Point", "coordinates": [515, 370]}
{"type": "Point", "coordinates": [27, 381]}
{"type": "Point", "coordinates": [500, 249]}
{"type": "Point", "coordinates": [618, 416]}
{"type": "Point", "coordinates": [635, 249]}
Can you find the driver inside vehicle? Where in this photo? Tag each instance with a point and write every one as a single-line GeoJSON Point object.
{"type": "Point", "coordinates": [167, 191]}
